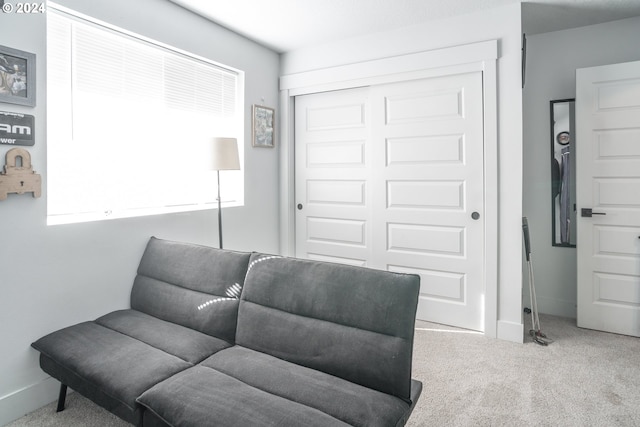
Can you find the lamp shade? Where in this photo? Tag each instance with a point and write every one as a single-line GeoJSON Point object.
{"type": "Point", "coordinates": [225, 154]}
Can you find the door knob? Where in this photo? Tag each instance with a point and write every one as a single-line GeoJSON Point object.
{"type": "Point", "coordinates": [300, 206]}
{"type": "Point", "coordinates": [475, 215]}
{"type": "Point", "coordinates": [588, 213]}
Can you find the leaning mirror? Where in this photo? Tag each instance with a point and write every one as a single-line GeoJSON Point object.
{"type": "Point", "coordinates": [563, 182]}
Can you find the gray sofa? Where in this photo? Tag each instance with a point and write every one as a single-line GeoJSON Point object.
{"type": "Point", "coordinates": [224, 338]}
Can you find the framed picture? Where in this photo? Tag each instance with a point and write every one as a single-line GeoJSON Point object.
{"type": "Point", "coordinates": [263, 126]}
{"type": "Point", "coordinates": [17, 77]}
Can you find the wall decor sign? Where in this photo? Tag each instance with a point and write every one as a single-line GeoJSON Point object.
{"type": "Point", "coordinates": [263, 133]}
{"type": "Point", "coordinates": [16, 129]}
{"type": "Point", "coordinates": [18, 176]}
{"type": "Point", "coordinates": [17, 77]}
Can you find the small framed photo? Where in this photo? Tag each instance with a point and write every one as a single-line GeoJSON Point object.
{"type": "Point", "coordinates": [17, 77]}
{"type": "Point", "coordinates": [263, 133]}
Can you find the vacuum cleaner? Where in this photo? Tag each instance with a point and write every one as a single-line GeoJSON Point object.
{"type": "Point", "coordinates": [536, 331]}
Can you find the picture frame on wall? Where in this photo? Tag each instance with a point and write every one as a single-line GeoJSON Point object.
{"type": "Point", "coordinates": [17, 77]}
{"type": "Point", "coordinates": [263, 129]}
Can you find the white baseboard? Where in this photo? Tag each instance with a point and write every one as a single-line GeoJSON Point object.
{"type": "Point", "coordinates": [511, 331]}
{"type": "Point", "coordinates": [28, 399]}
{"type": "Point", "coordinates": [557, 307]}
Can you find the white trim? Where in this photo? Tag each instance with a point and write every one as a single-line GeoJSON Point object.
{"type": "Point", "coordinates": [76, 218]}
{"type": "Point", "coordinates": [490, 94]}
{"type": "Point", "coordinates": [385, 70]}
{"type": "Point", "coordinates": [511, 331]}
{"type": "Point", "coordinates": [481, 56]}
{"type": "Point", "coordinates": [287, 176]}
{"type": "Point", "coordinates": [19, 403]}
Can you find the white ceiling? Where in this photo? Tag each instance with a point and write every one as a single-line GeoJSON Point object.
{"type": "Point", "coordinates": [285, 25]}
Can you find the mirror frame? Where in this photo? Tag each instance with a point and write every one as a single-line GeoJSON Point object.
{"type": "Point", "coordinates": [561, 183]}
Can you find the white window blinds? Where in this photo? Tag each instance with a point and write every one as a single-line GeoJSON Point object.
{"type": "Point", "coordinates": [129, 124]}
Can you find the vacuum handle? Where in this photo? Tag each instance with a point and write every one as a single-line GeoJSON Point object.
{"type": "Point", "coordinates": [527, 243]}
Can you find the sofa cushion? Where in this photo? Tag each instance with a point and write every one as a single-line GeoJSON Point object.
{"type": "Point", "coordinates": [346, 401]}
{"type": "Point", "coordinates": [202, 396]}
{"type": "Point", "coordinates": [187, 344]}
{"type": "Point", "coordinates": [119, 366]}
{"type": "Point", "coordinates": [351, 322]}
{"type": "Point", "coordinates": [190, 285]}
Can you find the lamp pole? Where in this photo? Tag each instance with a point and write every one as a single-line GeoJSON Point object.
{"type": "Point", "coordinates": [224, 157]}
{"type": "Point", "coordinates": [219, 212]}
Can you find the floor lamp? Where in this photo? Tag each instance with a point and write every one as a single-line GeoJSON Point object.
{"type": "Point", "coordinates": [225, 157]}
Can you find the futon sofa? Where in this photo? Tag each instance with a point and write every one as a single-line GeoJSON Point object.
{"type": "Point", "coordinates": [223, 338]}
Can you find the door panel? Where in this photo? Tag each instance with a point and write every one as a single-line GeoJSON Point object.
{"type": "Point", "coordinates": [608, 181]}
{"type": "Point", "coordinates": [332, 177]}
{"type": "Point", "coordinates": [428, 182]}
{"type": "Point", "coordinates": [425, 150]}
{"type": "Point", "coordinates": [389, 177]}
{"type": "Point", "coordinates": [425, 239]}
{"type": "Point", "coordinates": [425, 195]}
{"type": "Point", "coordinates": [336, 154]}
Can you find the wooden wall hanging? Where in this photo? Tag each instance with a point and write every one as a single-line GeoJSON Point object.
{"type": "Point", "coordinates": [19, 178]}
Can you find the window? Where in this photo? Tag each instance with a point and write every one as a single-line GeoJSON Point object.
{"type": "Point", "coordinates": [129, 121]}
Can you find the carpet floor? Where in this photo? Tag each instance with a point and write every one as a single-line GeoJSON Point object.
{"type": "Point", "coordinates": [584, 378]}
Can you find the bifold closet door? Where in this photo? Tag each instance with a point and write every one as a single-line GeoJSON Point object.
{"type": "Point", "coordinates": [391, 177]}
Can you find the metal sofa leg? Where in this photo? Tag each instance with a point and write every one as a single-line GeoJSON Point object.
{"type": "Point", "coordinates": [61, 397]}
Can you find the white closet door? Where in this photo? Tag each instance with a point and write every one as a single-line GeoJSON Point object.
{"type": "Point", "coordinates": [333, 192]}
{"type": "Point", "coordinates": [391, 177]}
{"type": "Point", "coordinates": [428, 188]}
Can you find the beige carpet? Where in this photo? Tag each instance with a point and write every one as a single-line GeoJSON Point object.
{"type": "Point", "coordinates": [584, 378]}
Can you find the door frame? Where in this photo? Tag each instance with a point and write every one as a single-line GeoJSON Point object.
{"type": "Point", "coordinates": [480, 56]}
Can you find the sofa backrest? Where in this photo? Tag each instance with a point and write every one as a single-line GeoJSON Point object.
{"type": "Point", "coordinates": [191, 285]}
{"type": "Point", "coordinates": [351, 322]}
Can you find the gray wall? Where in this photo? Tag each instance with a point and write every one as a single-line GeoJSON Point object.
{"type": "Point", "coordinates": [552, 59]}
{"type": "Point", "coordinates": [55, 276]}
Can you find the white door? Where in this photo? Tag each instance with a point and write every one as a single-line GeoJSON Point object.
{"type": "Point", "coordinates": [427, 186]}
{"type": "Point", "coordinates": [608, 182]}
{"type": "Point", "coordinates": [391, 177]}
{"type": "Point", "coordinates": [333, 167]}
